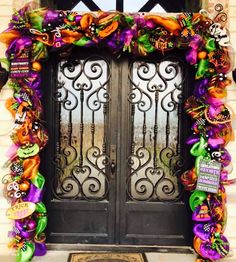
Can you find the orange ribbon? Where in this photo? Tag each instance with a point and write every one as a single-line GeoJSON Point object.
{"type": "Point", "coordinates": [9, 105]}
{"type": "Point", "coordinates": [108, 30]}
{"type": "Point", "coordinates": [69, 37]}
{"type": "Point", "coordinates": [170, 24]}
{"type": "Point", "coordinates": [31, 166]}
{"type": "Point", "coordinates": [8, 37]}
{"type": "Point", "coordinates": [86, 21]}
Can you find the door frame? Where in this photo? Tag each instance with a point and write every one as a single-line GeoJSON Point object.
{"type": "Point", "coordinates": [121, 248]}
{"type": "Point", "coordinates": [49, 78]}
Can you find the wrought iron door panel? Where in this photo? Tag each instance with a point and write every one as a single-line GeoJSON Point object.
{"type": "Point", "coordinates": [83, 100]}
{"type": "Point", "coordinates": [117, 136]}
{"type": "Point", "coordinates": [81, 201]}
{"type": "Point", "coordinates": [155, 108]}
{"type": "Point", "coordinates": [151, 201]}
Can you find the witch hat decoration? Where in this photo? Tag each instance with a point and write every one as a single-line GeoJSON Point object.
{"type": "Point", "coordinates": [3, 76]}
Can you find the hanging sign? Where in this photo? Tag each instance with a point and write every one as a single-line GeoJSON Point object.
{"type": "Point", "coordinates": [20, 210]}
{"type": "Point", "coordinates": [20, 66]}
{"type": "Point", "coordinates": [209, 176]}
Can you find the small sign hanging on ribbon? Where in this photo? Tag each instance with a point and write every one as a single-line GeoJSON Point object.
{"type": "Point", "coordinates": [20, 210]}
{"type": "Point", "coordinates": [20, 66]}
{"type": "Point", "coordinates": [209, 176]}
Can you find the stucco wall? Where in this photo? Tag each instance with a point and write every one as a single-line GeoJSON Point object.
{"type": "Point", "coordinates": [6, 124]}
{"type": "Point", "coordinates": [231, 101]}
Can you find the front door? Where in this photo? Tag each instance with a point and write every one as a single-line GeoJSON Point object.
{"type": "Point", "coordinates": [117, 149]}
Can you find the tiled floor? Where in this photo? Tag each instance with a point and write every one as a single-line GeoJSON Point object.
{"type": "Point", "coordinates": [62, 256]}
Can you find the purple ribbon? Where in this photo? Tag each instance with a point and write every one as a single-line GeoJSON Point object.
{"type": "Point", "coordinates": [35, 194]}
{"type": "Point", "coordinates": [53, 17]}
{"type": "Point", "coordinates": [191, 53]}
{"type": "Point", "coordinates": [192, 140]}
{"type": "Point", "coordinates": [17, 46]}
{"type": "Point", "coordinates": [40, 249]}
{"type": "Point", "coordinates": [201, 88]}
{"type": "Point", "coordinates": [20, 225]}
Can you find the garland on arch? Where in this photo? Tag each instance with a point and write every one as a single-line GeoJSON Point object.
{"type": "Point", "coordinates": [31, 37]}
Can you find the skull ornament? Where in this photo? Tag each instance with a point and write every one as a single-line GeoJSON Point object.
{"type": "Point", "coordinates": [220, 34]}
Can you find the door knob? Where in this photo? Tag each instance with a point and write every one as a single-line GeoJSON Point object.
{"type": "Point", "coordinates": [113, 159]}
{"type": "Point", "coordinates": [113, 167]}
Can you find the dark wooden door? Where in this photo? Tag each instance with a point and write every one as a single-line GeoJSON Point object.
{"type": "Point", "coordinates": [117, 149]}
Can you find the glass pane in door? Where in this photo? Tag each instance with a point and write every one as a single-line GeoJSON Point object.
{"type": "Point", "coordinates": [155, 108]}
{"type": "Point", "coordinates": [82, 100]}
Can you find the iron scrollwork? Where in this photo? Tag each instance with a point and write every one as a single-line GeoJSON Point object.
{"type": "Point", "coordinates": [82, 102]}
{"type": "Point", "coordinates": [155, 150]}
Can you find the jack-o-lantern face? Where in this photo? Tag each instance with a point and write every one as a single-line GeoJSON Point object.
{"type": "Point", "coordinates": [28, 150]}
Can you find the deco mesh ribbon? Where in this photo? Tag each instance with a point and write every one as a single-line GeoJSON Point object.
{"type": "Point", "coordinates": [31, 37]}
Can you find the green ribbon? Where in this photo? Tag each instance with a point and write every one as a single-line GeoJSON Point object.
{"type": "Point", "coordinates": [210, 45]}
{"type": "Point", "coordinates": [129, 19]}
{"type": "Point", "coordinates": [41, 225]}
{"type": "Point", "coordinates": [36, 20]}
{"type": "Point", "coordinates": [202, 69]}
{"type": "Point", "coordinates": [39, 51]}
{"type": "Point", "coordinates": [199, 151]}
{"type": "Point", "coordinates": [25, 253]}
{"type": "Point", "coordinates": [40, 208]}
{"type": "Point", "coordinates": [196, 199]}
{"type": "Point", "coordinates": [144, 41]}
{"type": "Point", "coordinates": [82, 42]}
{"type": "Point", "coordinates": [218, 244]}
{"type": "Point", "coordinates": [38, 181]}
{"type": "Point", "coordinates": [41, 219]}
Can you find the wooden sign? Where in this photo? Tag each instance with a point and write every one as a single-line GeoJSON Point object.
{"type": "Point", "coordinates": [209, 176]}
{"type": "Point", "coordinates": [20, 210]}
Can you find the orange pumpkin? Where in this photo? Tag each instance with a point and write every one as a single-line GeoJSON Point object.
{"type": "Point", "coordinates": [24, 186]}
{"type": "Point", "coordinates": [36, 66]}
{"type": "Point", "coordinates": [202, 55]}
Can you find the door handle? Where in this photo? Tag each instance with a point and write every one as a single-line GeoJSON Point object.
{"type": "Point", "coordinates": [113, 160]}
{"type": "Point", "coordinates": [113, 167]}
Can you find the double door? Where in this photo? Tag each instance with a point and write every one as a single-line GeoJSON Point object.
{"type": "Point", "coordinates": [116, 151]}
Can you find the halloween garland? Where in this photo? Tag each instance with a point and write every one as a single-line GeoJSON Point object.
{"type": "Point", "coordinates": [33, 34]}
